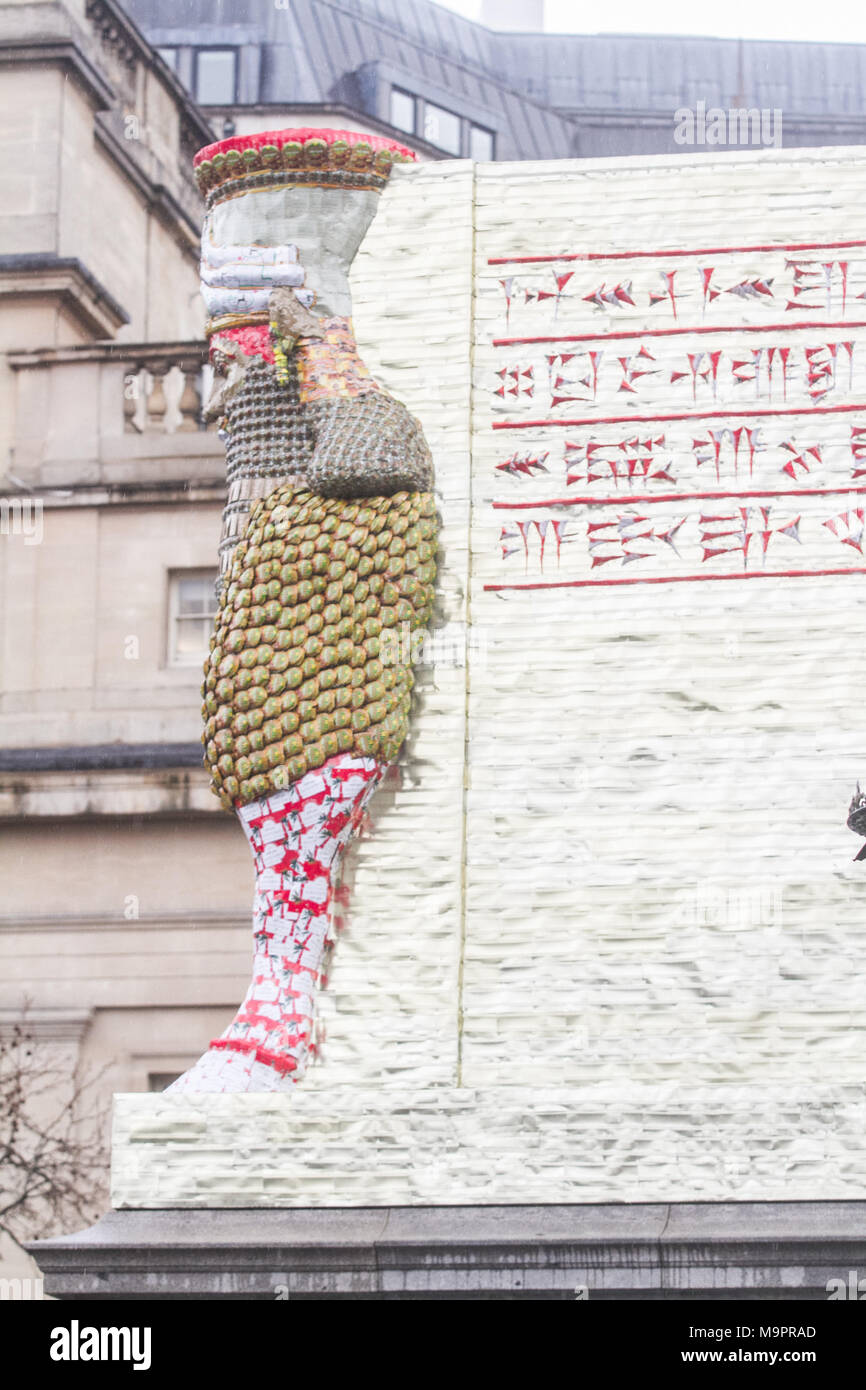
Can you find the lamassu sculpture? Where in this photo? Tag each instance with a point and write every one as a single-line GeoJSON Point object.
{"type": "Point", "coordinates": [329, 540]}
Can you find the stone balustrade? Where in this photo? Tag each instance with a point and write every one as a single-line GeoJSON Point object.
{"type": "Point", "coordinates": [163, 393]}
{"type": "Point", "coordinates": [113, 412]}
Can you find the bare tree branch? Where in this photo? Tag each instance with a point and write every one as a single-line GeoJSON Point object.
{"type": "Point", "coordinates": [53, 1154]}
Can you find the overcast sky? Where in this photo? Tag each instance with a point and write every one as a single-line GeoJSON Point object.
{"type": "Point", "coordinates": [837, 21]}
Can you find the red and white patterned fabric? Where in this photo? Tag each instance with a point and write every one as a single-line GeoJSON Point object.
{"type": "Point", "coordinates": [297, 838]}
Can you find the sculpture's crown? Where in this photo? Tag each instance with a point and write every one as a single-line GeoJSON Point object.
{"type": "Point", "coordinates": [326, 158]}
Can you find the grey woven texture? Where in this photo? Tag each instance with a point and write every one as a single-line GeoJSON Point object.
{"type": "Point", "coordinates": [355, 446]}
{"type": "Point", "coordinates": [367, 446]}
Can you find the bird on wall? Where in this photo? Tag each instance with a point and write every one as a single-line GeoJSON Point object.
{"type": "Point", "coordinates": [857, 818]}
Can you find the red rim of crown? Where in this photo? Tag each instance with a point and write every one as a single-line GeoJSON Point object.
{"type": "Point", "coordinates": [299, 136]}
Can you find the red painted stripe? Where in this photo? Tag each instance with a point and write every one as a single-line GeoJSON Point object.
{"type": "Point", "coordinates": [701, 251]}
{"type": "Point", "coordinates": [690, 415]}
{"type": "Point", "coordinates": [670, 332]}
{"type": "Point", "coordinates": [625, 498]}
{"type": "Point", "coordinates": [276, 1060]}
{"type": "Point", "coordinates": [675, 579]}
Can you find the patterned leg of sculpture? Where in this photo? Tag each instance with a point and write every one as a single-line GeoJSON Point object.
{"type": "Point", "coordinates": [297, 838]}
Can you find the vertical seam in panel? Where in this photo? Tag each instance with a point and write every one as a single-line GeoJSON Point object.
{"type": "Point", "coordinates": [467, 626]}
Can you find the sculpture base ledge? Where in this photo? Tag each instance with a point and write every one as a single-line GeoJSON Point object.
{"type": "Point", "coordinates": [750, 1250]}
{"type": "Point", "coordinates": [392, 1146]}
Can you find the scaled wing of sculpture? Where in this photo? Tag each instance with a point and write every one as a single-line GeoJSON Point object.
{"type": "Point", "coordinates": [328, 549]}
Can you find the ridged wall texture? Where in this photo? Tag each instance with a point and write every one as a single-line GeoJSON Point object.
{"type": "Point", "coordinates": [605, 940]}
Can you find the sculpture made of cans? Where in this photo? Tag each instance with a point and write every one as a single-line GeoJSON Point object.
{"type": "Point", "coordinates": [328, 542]}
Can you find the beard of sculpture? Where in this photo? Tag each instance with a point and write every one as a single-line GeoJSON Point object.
{"type": "Point", "coordinates": [327, 553]}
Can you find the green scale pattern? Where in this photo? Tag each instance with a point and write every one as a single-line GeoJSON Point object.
{"type": "Point", "coordinates": [295, 674]}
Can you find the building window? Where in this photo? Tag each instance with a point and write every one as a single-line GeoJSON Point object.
{"type": "Point", "coordinates": [215, 76]}
{"type": "Point", "coordinates": [169, 57]}
{"type": "Point", "coordinates": [192, 609]}
{"type": "Point", "coordinates": [442, 128]}
{"type": "Point", "coordinates": [402, 110]}
{"type": "Point", "coordinates": [480, 142]}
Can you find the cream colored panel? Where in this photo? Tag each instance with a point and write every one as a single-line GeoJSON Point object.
{"type": "Point", "coordinates": [606, 940]}
{"type": "Point", "coordinates": [390, 1012]}
{"type": "Point", "coordinates": [663, 737]}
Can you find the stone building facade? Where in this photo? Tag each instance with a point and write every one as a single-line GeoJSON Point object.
{"type": "Point", "coordinates": [110, 514]}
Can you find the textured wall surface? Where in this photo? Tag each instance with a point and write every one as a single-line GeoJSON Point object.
{"type": "Point", "coordinates": [606, 940]}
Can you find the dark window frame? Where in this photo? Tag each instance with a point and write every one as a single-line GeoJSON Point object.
{"type": "Point", "coordinates": [446, 111]}
{"type": "Point", "coordinates": [485, 130]}
{"type": "Point", "coordinates": [208, 575]}
{"type": "Point", "coordinates": [411, 96]}
{"type": "Point", "coordinates": [420, 105]}
{"type": "Point", "coordinates": [215, 48]}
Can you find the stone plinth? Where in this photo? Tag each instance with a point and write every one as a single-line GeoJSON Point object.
{"type": "Point", "coordinates": [752, 1250]}
{"type": "Point", "coordinates": [395, 1146]}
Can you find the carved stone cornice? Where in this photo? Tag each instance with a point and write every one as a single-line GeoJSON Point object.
{"type": "Point", "coordinates": [113, 32]}
{"type": "Point", "coordinates": [42, 274]}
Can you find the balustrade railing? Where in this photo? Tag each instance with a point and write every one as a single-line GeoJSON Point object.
{"type": "Point", "coordinates": [103, 402]}
{"type": "Point", "coordinates": [164, 393]}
